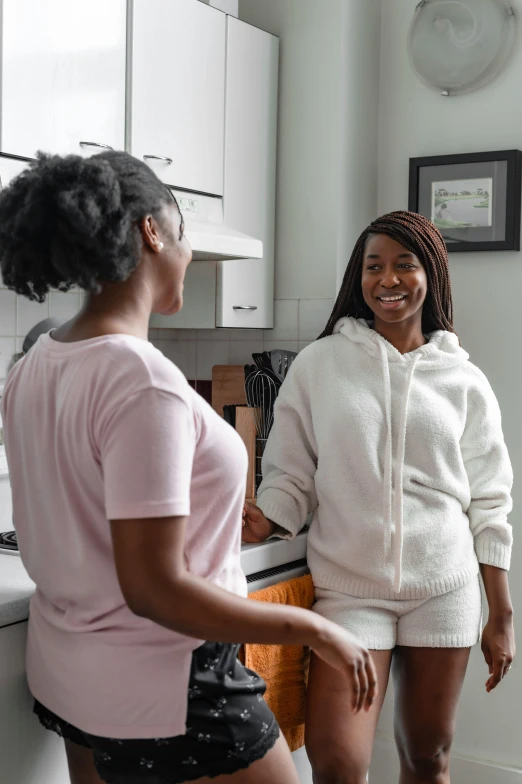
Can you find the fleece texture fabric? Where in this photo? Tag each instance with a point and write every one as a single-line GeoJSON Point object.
{"type": "Point", "coordinates": [400, 458]}
{"type": "Point", "coordinates": [453, 620]}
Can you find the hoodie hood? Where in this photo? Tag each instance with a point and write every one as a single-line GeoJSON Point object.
{"type": "Point", "coordinates": [442, 351]}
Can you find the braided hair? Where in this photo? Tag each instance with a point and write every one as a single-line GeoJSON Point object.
{"type": "Point", "coordinates": [421, 237]}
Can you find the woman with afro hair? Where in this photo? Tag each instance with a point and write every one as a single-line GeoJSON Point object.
{"type": "Point", "coordinates": [128, 493]}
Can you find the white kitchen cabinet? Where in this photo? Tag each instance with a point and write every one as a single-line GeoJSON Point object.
{"type": "Point", "coordinates": [245, 289]}
{"type": "Point", "coordinates": [29, 754]}
{"type": "Point", "coordinates": [63, 76]}
{"type": "Point", "coordinates": [178, 92]}
{"type": "Point", "coordinates": [199, 300]}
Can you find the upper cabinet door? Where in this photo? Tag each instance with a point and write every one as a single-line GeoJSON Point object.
{"type": "Point", "coordinates": [246, 288]}
{"type": "Point", "coordinates": [63, 76]}
{"type": "Point", "coordinates": [178, 92]}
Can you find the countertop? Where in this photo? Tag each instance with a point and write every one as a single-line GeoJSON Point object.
{"type": "Point", "coordinates": [16, 589]}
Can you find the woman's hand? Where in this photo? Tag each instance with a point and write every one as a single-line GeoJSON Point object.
{"type": "Point", "coordinates": [498, 647]}
{"type": "Point", "coordinates": [498, 638]}
{"type": "Point", "coordinates": [342, 651]}
{"type": "Point", "coordinates": [256, 527]}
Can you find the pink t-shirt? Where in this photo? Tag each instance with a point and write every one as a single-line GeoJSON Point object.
{"type": "Point", "coordinates": [109, 429]}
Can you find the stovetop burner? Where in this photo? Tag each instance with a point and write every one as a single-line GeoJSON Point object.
{"type": "Point", "coordinates": [8, 541]}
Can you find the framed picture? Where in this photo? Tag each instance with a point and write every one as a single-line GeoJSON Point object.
{"type": "Point", "coordinates": [473, 199]}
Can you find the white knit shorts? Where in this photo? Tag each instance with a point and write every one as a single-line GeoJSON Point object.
{"type": "Point", "coordinates": [453, 620]}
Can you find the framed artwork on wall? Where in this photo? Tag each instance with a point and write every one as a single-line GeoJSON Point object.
{"type": "Point", "coordinates": [474, 199]}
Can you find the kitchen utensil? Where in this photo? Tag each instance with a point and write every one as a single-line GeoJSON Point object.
{"type": "Point", "coordinates": [228, 386]}
{"type": "Point", "coordinates": [246, 428]}
{"type": "Point", "coordinates": [281, 361]}
{"type": "Point", "coordinates": [229, 415]}
{"type": "Point", "coordinates": [8, 541]}
{"type": "Point", "coordinates": [261, 393]}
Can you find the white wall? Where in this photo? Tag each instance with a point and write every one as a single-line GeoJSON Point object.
{"type": "Point", "coordinates": [413, 122]}
{"type": "Point", "coordinates": [308, 141]}
{"type": "Point", "coordinates": [326, 180]}
{"type": "Point", "coordinates": [359, 123]}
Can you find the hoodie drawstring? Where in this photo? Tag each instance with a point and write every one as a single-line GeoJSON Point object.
{"type": "Point", "coordinates": [398, 541]}
{"type": "Point", "coordinates": [388, 457]}
{"type": "Point", "coordinates": [393, 511]}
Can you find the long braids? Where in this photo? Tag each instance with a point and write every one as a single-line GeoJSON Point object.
{"type": "Point", "coordinates": [421, 237]}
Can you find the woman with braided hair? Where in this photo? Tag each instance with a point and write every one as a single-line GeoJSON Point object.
{"type": "Point", "coordinates": [392, 440]}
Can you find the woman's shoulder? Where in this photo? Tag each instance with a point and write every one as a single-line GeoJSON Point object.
{"type": "Point", "coordinates": [480, 393]}
{"type": "Point", "coordinates": [316, 361]}
{"type": "Point", "coordinates": [322, 347]}
{"type": "Point", "coordinates": [139, 366]}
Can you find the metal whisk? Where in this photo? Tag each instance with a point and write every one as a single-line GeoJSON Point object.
{"type": "Point", "coordinates": [261, 393]}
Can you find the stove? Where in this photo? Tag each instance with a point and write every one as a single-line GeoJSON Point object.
{"type": "Point", "coordinates": [8, 542]}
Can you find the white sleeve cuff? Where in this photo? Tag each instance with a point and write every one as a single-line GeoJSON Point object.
{"type": "Point", "coordinates": [279, 507]}
{"type": "Point", "coordinates": [492, 552]}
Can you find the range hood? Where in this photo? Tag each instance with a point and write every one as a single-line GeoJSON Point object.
{"type": "Point", "coordinates": [211, 242]}
{"type": "Point", "coordinates": [209, 237]}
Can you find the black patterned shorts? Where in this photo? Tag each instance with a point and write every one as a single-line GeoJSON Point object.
{"type": "Point", "coordinates": [229, 726]}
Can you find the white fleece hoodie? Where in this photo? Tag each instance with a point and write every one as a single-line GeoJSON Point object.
{"type": "Point", "coordinates": [401, 459]}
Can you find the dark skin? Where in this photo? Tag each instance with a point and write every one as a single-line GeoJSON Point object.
{"type": "Point", "coordinates": [428, 681]}
{"type": "Point", "coordinates": [149, 554]}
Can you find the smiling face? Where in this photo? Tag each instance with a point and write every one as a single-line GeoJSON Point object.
{"type": "Point", "coordinates": [394, 283]}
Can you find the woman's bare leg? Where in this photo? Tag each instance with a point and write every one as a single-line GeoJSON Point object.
{"type": "Point", "coordinates": [338, 743]}
{"type": "Point", "coordinates": [81, 764]}
{"type": "Point", "coordinates": [276, 768]}
{"type": "Point", "coordinates": [428, 682]}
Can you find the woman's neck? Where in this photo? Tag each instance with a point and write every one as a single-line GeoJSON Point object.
{"type": "Point", "coordinates": [119, 308]}
{"type": "Point", "coordinates": [405, 336]}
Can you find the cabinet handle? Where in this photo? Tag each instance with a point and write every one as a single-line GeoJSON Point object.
{"type": "Point", "coordinates": [244, 307]}
{"type": "Point", "coordinates": [157, 158]}
{"type": "Point", "coordinates": [96, 144]}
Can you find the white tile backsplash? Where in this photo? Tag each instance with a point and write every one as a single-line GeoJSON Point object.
{"type": "Point", "coordinates": [286, 320]}
{"type": "Point", "coordinates": [313, 317]}
{"type": "Point", "coordinates": [241, 351]}
{"type": "Point", "coordinates": [182, 352]}
{"type": "Point", "coordinates": [7, 313]}
{"type": "Point", "coordinates": [245, 334]}
{"type": "Point", "coordinates": [7, 351]}
{"type": "Point", "coordinates": [296, 324]}
{"type": "Point", "coordinates": [210, 353]}
{"type": "Point", "coordinates": [286, 345]}
{"type": "Point", "coordinates": [29, 313]}
{"type": "Point", "coordinates": [63, 306]}
{"type": "Point", "coordinates": [220, 335]}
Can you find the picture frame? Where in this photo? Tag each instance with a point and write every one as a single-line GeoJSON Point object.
{"type": "Point", "coordinates": [474, 199]}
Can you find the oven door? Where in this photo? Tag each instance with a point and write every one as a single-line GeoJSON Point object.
{"type": "Point", "coordinates": [270, 563]}
{"type": "Point", "coordinates": [274, 561]}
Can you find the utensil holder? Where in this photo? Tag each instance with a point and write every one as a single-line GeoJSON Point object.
{"type": "Point", "coordinates": [260, 450]}
{"type": "Point", "coordinates": [245, 426]}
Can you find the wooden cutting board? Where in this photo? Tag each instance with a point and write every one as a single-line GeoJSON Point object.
{"type": "Point", "coordinates": [228, 386]}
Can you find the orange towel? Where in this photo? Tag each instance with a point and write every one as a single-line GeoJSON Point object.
{"type": "Point", "coordinates": [284, 668]}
